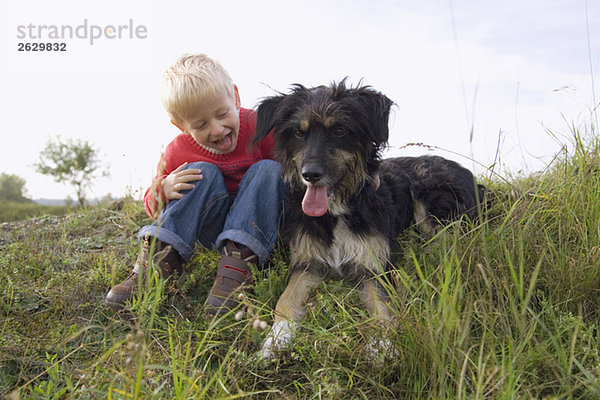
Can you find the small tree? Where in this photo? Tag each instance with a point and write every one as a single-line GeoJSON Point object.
{"type": "Point", "coordinates": [74, 161]}
{"type": "Point", "coordinates": [12, 188]}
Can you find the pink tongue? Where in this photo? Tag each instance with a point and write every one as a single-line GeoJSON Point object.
{"type": "Point", "coordinates": [315, 203]}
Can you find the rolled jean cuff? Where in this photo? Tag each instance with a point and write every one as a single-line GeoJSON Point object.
{"type": "Point", "coordinates": [169, 237]}
{"type": "Point", "coordinates": [246, 239]}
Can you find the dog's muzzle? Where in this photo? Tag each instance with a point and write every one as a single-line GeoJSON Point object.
{"type": "Point", "coordinates": [315, 202]}
{"type": "Point", "coordinates": [312, 172]}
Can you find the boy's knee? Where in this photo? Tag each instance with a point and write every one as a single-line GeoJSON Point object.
{"type": "Point", "coordinates": [207, 169]}
{"type": "Point", "coordinates": [211, 174]}
{"type": "Point", "coordinates": [200, 165]}
{"type": "Point", "coordinates": [267, 167]}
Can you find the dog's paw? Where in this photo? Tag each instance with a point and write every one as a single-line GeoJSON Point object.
{"type": "Point", "coordinates": [278, 339]}
{"type": "Point", "coordinates": [379, 350]}
{"type": "Point", "coordinates": [268, 350]}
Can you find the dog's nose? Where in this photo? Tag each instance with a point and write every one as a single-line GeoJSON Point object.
{"type": "Point", "coordinates": [312, 172]}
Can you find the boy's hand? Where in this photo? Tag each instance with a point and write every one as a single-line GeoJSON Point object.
{"type": "Point", "coordinates": [179, 180]}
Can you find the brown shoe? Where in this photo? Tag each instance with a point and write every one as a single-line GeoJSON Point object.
{"type": "Point", "coordinates": [165, 258]}
{"type": "Point", "coordinates": [233, 276]}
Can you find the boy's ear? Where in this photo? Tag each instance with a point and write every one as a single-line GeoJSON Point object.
{"type": "Point", "coordinates": [178, 125]}
{"type": "Point", "coordinates": [238, 103]}
{"type": "Point", "coordinates": [266, 117]}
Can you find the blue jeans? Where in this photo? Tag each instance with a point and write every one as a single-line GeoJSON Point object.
{"type": "Point", "coordinates": [209, 214]}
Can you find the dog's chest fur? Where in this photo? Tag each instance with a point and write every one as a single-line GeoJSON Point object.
{"type": "Point", "coordinates": [341, 254]}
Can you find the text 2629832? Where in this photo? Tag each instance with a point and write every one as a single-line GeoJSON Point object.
{"type": "Point", "coordinates": [42, 46]}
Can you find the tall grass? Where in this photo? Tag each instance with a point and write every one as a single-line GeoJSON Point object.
{"type": "Point", "coordinates": [505, 307]}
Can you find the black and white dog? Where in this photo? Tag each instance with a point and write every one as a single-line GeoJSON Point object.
{"type": "Point", "coordinates": [347, 206]}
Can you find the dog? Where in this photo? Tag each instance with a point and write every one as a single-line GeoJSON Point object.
{"type": "Point", "coordinates": [347, 206]}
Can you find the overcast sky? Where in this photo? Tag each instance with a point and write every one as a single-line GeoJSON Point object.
{"type": "Point", "coordinates": [509, 70]}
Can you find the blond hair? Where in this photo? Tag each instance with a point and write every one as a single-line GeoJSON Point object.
{"type": "Point", "coordinates": [189, 80]}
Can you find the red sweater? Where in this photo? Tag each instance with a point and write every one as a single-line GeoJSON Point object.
{"type": "Point", "coordinates": [233, 165]}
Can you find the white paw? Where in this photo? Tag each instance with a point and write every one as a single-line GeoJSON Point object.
{"type": "Point", "coordinates": [378, 350]}
{"type": "Point", "coordinates": [278, 339]}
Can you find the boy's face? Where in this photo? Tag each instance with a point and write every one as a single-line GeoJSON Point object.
{"type": "Point", "coordinates": [216, 124]}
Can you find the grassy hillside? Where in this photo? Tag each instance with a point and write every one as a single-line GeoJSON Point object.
{"type": "Point", "coordinates": [13, 211]}
{"type": "Point", "coordinates": [503, 308]}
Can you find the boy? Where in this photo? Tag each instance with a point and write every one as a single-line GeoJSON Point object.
{"type": "Point", "coordinates": [212, 187]}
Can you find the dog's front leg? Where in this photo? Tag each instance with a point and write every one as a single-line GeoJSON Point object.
{"type": "Point", "coordinates": [289, 311]}
{"type": "Point", "coordinates": [376, 301]}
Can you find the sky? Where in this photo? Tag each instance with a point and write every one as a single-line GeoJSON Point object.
{"type": "Point", "coordinates": [494, 85]}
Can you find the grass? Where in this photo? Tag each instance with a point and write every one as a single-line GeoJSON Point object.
{"type": "Point", "coordinates": [13, 211]}
{"type": "Point", "coordinates": [503, 308]}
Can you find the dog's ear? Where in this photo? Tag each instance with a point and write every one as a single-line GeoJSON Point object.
{"type": "Point", "coordinates": [378, 105]}
{"type": "Point", "coordinates": [266, 117]}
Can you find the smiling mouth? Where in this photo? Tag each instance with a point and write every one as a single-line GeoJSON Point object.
{"type": "Point", "coordinates": [218, 141]}
{"type": "Point", "coordinates": [224, 143]}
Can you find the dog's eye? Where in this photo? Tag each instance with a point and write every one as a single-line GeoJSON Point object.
{"type": "Point", "coordinates": [299, 134]}
{"type": "Point", "coordinates": [339, 132]}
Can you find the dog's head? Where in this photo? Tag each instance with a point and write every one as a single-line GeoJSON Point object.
{"type": "Point", "coordinates": [328, 139]}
